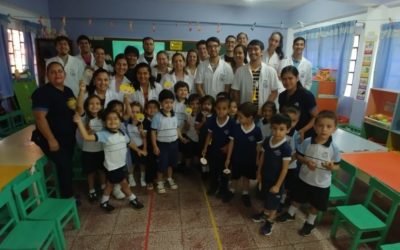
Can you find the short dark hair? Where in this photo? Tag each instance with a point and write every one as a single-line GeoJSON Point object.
{"type": "Point", "coordinates": [208, 98]}
{"type": "Point", "coordinates": [326, 114]}
{"type": "Point", "coordinates": [230, 36]}
{"type": "Point", "coordinates": [194, 97]}
{"type": "Point", "coordinates": [180, 84]}
{"type": "Point", "coordinates": [83, 37]}
{"type": "Point", "coordinates": [291, 110]}
{"type": "Point", "coordinates": [147, 38]}
{"type": "Point", "coordinates": [256, 42]}
{"type": "Point", "coordinates": [107, 112]}
{"type": "Point", "coordinates": [131, 50]}
{"type": "Point", "coordinates": [221, 100]}
{"type": "Point", "coordinates": [99, 47]}
{"type": "Point", "coordinates": [300, 38]}
{"type": "Point", "coordinates": [281, 118]}
{"type": "Point", "coordinates": [54, 63]}
{"type": "Point", "coordinates": [241, 33]}
{"type": "Point", "coordinates": [271, 105]}
{"type": "Point", "coordinates": [166, 94]}
{"type": "Point", "coordinates": [152, 102]}
{"type": "Point", "coordinates": [201, 42]}
{"type": "Point", "coordinates": [60, 39]}
{"type": "Point", "coordinates": [248, 109]}
{"type": "Point", "coordinates": [213, 39]}
{"type": "Point", "coordinates": [223, 94]}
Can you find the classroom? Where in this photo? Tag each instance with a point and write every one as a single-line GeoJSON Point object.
{"type": "Point", "coordinates": [199, 124]}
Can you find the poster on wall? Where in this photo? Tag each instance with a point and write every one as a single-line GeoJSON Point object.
{"type": "Point", "coordinates": [365, 70]}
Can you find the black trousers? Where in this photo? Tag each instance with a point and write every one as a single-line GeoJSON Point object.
{"type": "Point", "coordinates": [218, 180]}
{"type": "Point", "coordinates": [151, 168]}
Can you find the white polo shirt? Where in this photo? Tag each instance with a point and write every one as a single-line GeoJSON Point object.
{"type": "Point", "coordinates": [166, 127]}
{"type": "Point", "coordinates": [304, 68]}
{"type": "Point", "coordinates": [179, 109]}
{"type": "Point", "coordinates": [96, 125]}
{"type": "Point", "coordinates": [115, 147]}
{"type": "Point", "coordinates": [153, 94]}
{"type": "Point", "coordinates": [214, 82]}
{"type": "Point", "coordinates": [105, 66]}
{"type": "Point", "coordinates": [73, 71]}
{"type": "Point", "coordinates": [172, 78]}
{"type": "Point", "coordinates": [272, 61]}
{"type": "Point", "coordinates": [319, 153]}
{"type": "Point", "coordinates": [134, 134]}
{"type": "Point", "coordinates": [267, 82]}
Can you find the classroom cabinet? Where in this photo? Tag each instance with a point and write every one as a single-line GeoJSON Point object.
{"type": "Point", "coordinates": [382, 118]}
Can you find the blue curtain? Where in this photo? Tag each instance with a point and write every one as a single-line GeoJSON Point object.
{"type": "Point", "coordinates": [5, 71]}
{"type": "Point", "coordinates": [28, 39]}
{"type": "Point", "coordinates": [330, 47]}
{"type": "Point", "coordinates": [387, 73]}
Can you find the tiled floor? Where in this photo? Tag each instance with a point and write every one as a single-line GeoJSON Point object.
{"type": "Point", "coordinates": [181, 219]}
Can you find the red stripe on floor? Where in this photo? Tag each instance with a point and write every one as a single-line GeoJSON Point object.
{"type": "Point", "coordinates": [151, 204]}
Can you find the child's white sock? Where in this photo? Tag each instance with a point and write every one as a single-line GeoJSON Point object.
{"type": "Point", "coordinates": [105, 198]}
{"type": "Point", "coordinates": [92, 191]}
{"type": "Point", "coordinates": [232, 190]}
{"type": "Point", "coordinates": [283, 198]}
{"type": "Point", "coordinates": [132, 197]}
{"type": "Point", "coordinates": [203, 169]}
{"type": "Point", "coordinates": [169, 179]}
{"type": "Point", "coordinates": [245, 192]}
{"type": "Point", "coordinates": [292, 210]}
{"type": "Point", "coordinates": [103, 186]}
{"type": "Point", "coordinates": [142, 176]}
{"type": "Point", "coordinates": [311, 219]}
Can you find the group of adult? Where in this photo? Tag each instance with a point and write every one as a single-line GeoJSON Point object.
{"type": "Point", "coordinates": [247, 70]}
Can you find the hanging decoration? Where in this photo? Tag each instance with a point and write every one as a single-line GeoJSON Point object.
{"type": "Point", "coordinates": [153, 27]}
{"type": "Point", "coordinates": [90, 21]}
{"type": "Point", "coordinates": [62, 31]}
{"type": "Point", "coordinates": [190, 27]}
{"type": "Point", "coordinates": [218, 28]}
{"type": "Point", "coordinates": [130, 25]}
{"type": "Point", "coordinates": [253, 26]}
{"type": "Point", "coordinates": [112, 24]}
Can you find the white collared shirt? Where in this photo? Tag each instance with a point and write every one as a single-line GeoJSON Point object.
{"type": "Point", "coordinates": [92, 61]}
{"type": "Point", "coordinates": [152, 63]}
{"type": "Point", "coordinates": [304, 68]}
{"type": "Point", "coordinates": [267, 82]}
{"type": "Point", "coordinates": [272, 61]}
{"type": "Point", "coordinates": [105, 66]}
{"type": "Point", "coordinates": [153, 94]}
{"type": "Point", "coordinates": [172, 78]}
{"type": "Point", "coordinates": [214, 82]}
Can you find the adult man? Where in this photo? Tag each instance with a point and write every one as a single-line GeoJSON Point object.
{"type": "Point", "coordinates": [73, 66]}
{"type": "Point", "coordinates": [256, 81]}
{"type": "Point", "coordinates": [301, 63]}
{"type": "Point", "coordinates": [85, 55]}
{"type": "Point", "coordinates": [230, 43]}
{"type": "Point", "coordinates": [202, 50]}
{"type": "Point", "coordinates": [213, 75]}
{"type": "Point", "coordinates": [148, 55]}
{"type": "Point", "coordinates": [131, 55]}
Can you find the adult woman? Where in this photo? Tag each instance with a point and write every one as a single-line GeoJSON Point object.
{"type": "Point", "coordinates": [297, 96]}
{"type": "Point", "coordinates": [239, 57]}
{"type": "Point", "coordinates": [53, 108]}
{"type": "Point", "coordinates": [161, 68]}
{"type": "Point", "coordinates": [274, 54]}
{"type": "Point", "coordinates": [178, 73]}
{"type": "Point", "coordinates": [146, 88]}
{"type": "Point", "coordinates": [242, 38]}
{"type": "Point", "coordinates": [120, 69]}
{"type": "Point", "coordinates": [192, 61]}
{"type": "Point", "coordinates": [100, 86]}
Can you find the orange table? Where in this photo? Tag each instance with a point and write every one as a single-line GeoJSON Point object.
{"type": "Point", "coordinates": [385, 166]}
{"type": "Point", "coordinates": [17, 153]}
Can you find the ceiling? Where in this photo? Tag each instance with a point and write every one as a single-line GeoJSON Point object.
{"type": "Point", "coordinates": [283, 5]}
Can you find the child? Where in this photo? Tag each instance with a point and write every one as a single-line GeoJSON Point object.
{"type": "Point", "coordinates": [319, 156]}
{"type": "Point", "coordinates": [272, 169]}
{"type": "Point", "coordinates": [233, 108]}
{"type": "Point", "coordinates": [114, 144]}
{"type": "Point", "coordinates": [207, 104]}
{"type": "Point", "coordinates": [293, 138]}
{"type": "Point", "coordinates": [137, 134]}
{"type": "Point", "coordinates": [92, 152]}
{"type": "Point", "coordinates": [152, 107]}
{"type": "Point", "coordinates": [219, 127]}
{"type": "Point", "coordinates": [268, 109]}
{"type": "Point", "coordinates": [164, 137]}
{"type": "Point", "coordinates": [244, 149]}
{"type": "Point", "coordinates": [123, 110]}
{"type": "Point", "coordinates": [191, 149]}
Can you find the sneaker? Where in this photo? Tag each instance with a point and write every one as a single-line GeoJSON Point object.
{"type": "Point", "coordinates": [106, 207]}
{"type": "Point", "coordinates": [132, 182]}
{"type": "Point", "coordinates": [143, 183]}
{"type": "Point", "coordinates": [161, 188]}
{"type": "Point", "coordinates": [285, 217]}
{"type": "Point", "coordinates": [306, 229]}
{"type": "Point", "coordinates": [172, 184]}
{"type": "Point", "coordinates": [150, 186]}
{"type": "Point", "coordinates": [266, 229]}
{"type": "Point", "coordinates": [118, 194]}
{"type": "Point", "coordinates": [93, 197]}
{"type": "Point", "coordinates": [260, 217]}
{"type": "Point", "coordinates": [136, 204]}
{"type": "Point", "coordinates": [246, 200]}
{"type": "Point", "coordinates": [227, 197]}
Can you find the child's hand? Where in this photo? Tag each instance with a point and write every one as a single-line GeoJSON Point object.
{"type": "Point", "coordinates": [274, 189]}
{"type": "Point", "coordinates": [77, 118]}
{"type": "Point", "coordinates": [156, 151]}
{"type": "Point", "coordinates": [145, 153]}
{"type": "Point", "coordinates": [328, 165]}
{"type": "Point", "coordinates": [82, 86]}
{"type": "Point", "coordinates": [311, 165]}
{"type": "Point", "coordinates": [184, 140]}
{"type": "Point", "coordinates": [142, 152]}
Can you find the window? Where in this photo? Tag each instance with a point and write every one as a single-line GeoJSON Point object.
{"type": "Point", "coordinates": [352, 65]}
{"type": "Point", "coordinates": [16, 50]}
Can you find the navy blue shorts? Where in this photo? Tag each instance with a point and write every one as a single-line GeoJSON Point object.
{"type": "Point", "coordinates": [248, 170]}
{"type": "Point", "coordinates": [136, 159]}
{"type": "Point", "coordinates": [271, 201]}
{"type": "Point", "coordinates": [317, 197]}
{"type": "Point", "coordinates": [189, 149]}
{"type": "Point", "coordinates": [292, 177]}
{"type": "Point", "coordinates": [92, 161]}
{"type": "Point", "coordinates": [117, 175]}
{"type": "Point", "coordinates": [168, 157]}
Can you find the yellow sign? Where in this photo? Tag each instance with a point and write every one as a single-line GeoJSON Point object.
{"type": "Point", "coordinates": [176, 45]}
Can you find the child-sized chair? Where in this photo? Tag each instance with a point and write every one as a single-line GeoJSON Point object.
{"type": "Point", "coordinates": [395, 246]}
{"type": "Point", "coordinates": [342, 185]}
{"type": "Point", "coordinates": [359, 219]}
{"type": "Point", "coordinates": [25, 234]}
{"type": "Point", "coordinates": [40, 207]}
{"type": "Point", "coordinates": [50, 178]}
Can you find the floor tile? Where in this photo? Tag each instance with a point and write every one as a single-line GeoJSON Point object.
{"type": "Point", "coordinates": [170, 240]}
{"type": "Point", "coordinates": [236, 237]}
{"type": "Point", "coordinates": [99, 224]}
{"type": "Point", "coordinates": [127, 241]}
{"type": "Point", "coordinates": [189, 200]}
{"type": "Point", "coordinates": [168, 201]}
{"type": "Point", "coordinates": [167, 220]}
{"type": "Point", "coordinates": [94, 242]}
{"type": "Point", "coordinates": [199, 238]}
{"type": "Point", "coordinates": [320, 245]}
{"type": "Point", "coordinates": [131, 221]}
{"type": "Point", "coordinates": [195, 218]}
{"type": "Point", "coordinates": [226, 216]}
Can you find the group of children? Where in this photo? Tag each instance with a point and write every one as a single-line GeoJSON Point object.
{"type": "Point", "coordinates": [239, 142]}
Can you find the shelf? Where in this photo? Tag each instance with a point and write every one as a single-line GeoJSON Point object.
{"type": "Point", "coordinates": [377, 123]}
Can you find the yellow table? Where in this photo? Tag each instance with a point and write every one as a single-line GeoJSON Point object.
{"type": "Point", "coordinates": [17, 153]}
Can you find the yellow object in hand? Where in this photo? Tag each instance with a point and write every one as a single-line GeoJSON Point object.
{"type": "Point", "coordinates": [167, 85]}
{"type": "Point", "coordinates": [188, 110]}
{"type": "Point", "coordinates": [126, 88]}
{"type": "Point", "coordinates": [139, 117]}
